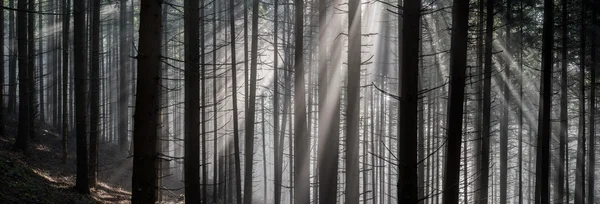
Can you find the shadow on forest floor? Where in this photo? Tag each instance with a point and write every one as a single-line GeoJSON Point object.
{"type": "Point", "coordinates": [39, 176]}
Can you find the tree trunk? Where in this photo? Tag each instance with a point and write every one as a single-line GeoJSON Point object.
{"type": "Point", "coordinates": [545, 104]}
{"type": "Point", "coordinates": [192, 102]}
{"type": "Point", "coordinates": [236, 139]}
{"type": "Point", "coordinates": [145, 130]}
{"type": "Point", "coordinates": [592, 143]}
{"type": "Point", "coordinates": [123, 87]}
{"type": "Point", "coordinates": [564, 123]}
{"type": "Point", "coordinates": [458, 65]}
{"type": "Point", "coordinates": [353, 103]}
{"type": "Point", "coordinates": [505, 112]}
{"type": "Point", "coordinates": [301, 146]}
{"type": "Point", "coordinates": [276, 137]}
{"type": "Point", "coordinates": [580, 163]}
{"type": "Point", "coordinates": [251, 108]}
{"type": "Point", "coordinates": [409, 89]}
{"type": "Point", "coordinates": [80, 69]}
{"type": "Point", "coordinates": [65, 79]}
{"type": "Point", "coordinates": [95, 93]}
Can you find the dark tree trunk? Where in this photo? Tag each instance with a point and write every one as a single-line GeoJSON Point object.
{"type": "Point", "coordinates": [564, 123]}
{"type": "Point", "coordinates": [505, 112]}
{"type": "Point", "coordinates": [80, 68]}
{"type": "Point", "coordinates": [543, 146]}
{"type": "Point", "coordinates": [95, 93]}
{"type": "Point", "coordinates": [353, 104]}
{"type": "Point", "coordinates": [251, 108]}
{"type": "Point", "coordinates": [580, 161]}
{"type": "Point", "coordinates": [458, 66]}
{"type": "Point", "coordinates": [236, 139]}
{"type": "Point", "coordinates": [409, 89]}
{"type": "Point", "coordinates": [123, 87]}
{"type": "Point", "coordinates": [65, 79]}
{"type": "Point", "coordinates": [145, 130]}
{"type": "Point", "coordinates": [592, 143]}
{"type": "Point", "coordinates": [2, 71]}
{"type": "Point", "coordinates": [31, 66]}
{"type": "Point", "coordinates": [12, 61]}
{"type": "Point", "coordinates": [192, 102]}
{"type": "Point", "coordinates": [276, 137]}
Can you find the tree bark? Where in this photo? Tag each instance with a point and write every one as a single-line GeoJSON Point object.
{"type": "Point", "coordinates": [409, 89]}
{"type": "Point", "coordinates": [145, 130]}
{"type": "Point", "coordinates": [95, 93]}
{"type": "Point", "coordinates": [458, 65]}
{"type": "Point", "coordinates": [192, 102]}
{"type": "Point", "coordinates": [81, 102]}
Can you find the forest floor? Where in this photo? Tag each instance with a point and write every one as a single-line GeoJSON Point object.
{"type": "Point", "coordinates": [39, 176]}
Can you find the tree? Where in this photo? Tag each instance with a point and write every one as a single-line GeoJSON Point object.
{"type": "Point", "coordinates": [2, 71]}
{"type": "Point", "coordinates": [505, 112]}
{"type": "Point", "coordinates": [80, 68]}
{"type": "Point", "coordinates": [545, 103]}
{"type": "Point", "coordinates": [192, 102]}
{"type": "Point", "coordinates": [95, 93]}
{"type": "Point", "coordinates": [409, 89]}
{"type": "Point", "coordinates": [145, 129]}
{"type": "Point", "coordinates": [251, 108]}
{"type": "Point", "coordinates": [458, 66]}
{"type": "Point", "coordinates": [301, 137]}
{"type": "Point", "coordinates": [592, 142]}
{"type": "Point", "coordinates": [580, 161]}
{"type": "Point", "coordinates": [353, 108]}
{"type": "Point", "coordinates": [124, 68]}
{"type": "Point", "coordinates": [564, 123]}
{"type": "Point", "coordinates": [65, 79]}
{"type": "Point", "coordinates": [236, 138]}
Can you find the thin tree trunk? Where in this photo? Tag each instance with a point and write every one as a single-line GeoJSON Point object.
{"type": "Point", "coordinates": [580, 163]}
{"type": "Point", "coordinates": [592, 143]}
{"type": "Point", "coordinates": [12, 63]}
{"type": "Point", "coordinates": [564, 123]}
{"type": "Point", "coordinates": [95, 93]}
{"type": "Point", "coordinates": [236, 140]}
{"type": "Point", "coordinates": [123, 87]}
{"type": "Point", "coordinates": [65, 79]}
{"type": "Point", "coordinates": [276, 137]}
{"type": "Point", "coordinates": [505, 112]}
{"type": "Point", "coordinates": [251, 108]}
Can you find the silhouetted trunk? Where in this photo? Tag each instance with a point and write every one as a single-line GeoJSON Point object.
{"type": "Point", "coordinates": [95, 92]}
{"type": "Point", "coordinates": [592, 143]}
{"type": "Point", "coordinates": [65, 78]}
{"type": "Point", "coordinates": [301, 146]}
{"type": "Point", "coordinates": [458, 66]}
{"type": "Point", "coordinates": [485, 129]}
{"type": "Point", "coordinates": [236, 138]}
{"type": "Point", "coordinates": [276, 137]}
{"type": "Point", "coordinates": [580, 163]}
{"type": "Point", "coordinates": [80, 68]}
{"type": "Point", "coordinates": [251, 108]}
{"type": "Point", "coordinates": [353, 103]}
{"type": "Point", "coordinates": [505, 111]}
{"type": "Point", "coordinates": [12, 61]}
{"type": "Point", "coordinates": [192, 102]}
{"type": "Point", "coordinates": [520, 192]}
{"type": "Point", "coordinates": [40, 64]}
{"type": "Point", "coordinates": [30, 66]}
{"type": "Point", "coordinates": [145, 129]}
{"type": "Point", "coordinates": [543, 146]}
{"type": "Point", "coordinates": [409, 89]}
{"type": "Point", "coordinates": [216, 161]}
{"type": "Point", "coordinates": [123, 86]}
{"type": "Point", "coordinates": [2, 71]}
{"type": "Point", "coordinates": [478, 196]}
{"type": "Point", "coordinates": [564, 123]}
